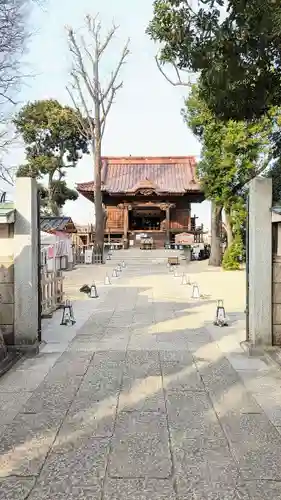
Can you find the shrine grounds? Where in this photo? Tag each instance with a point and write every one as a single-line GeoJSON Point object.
{"type": "Point", "coordinates": [144, 397]}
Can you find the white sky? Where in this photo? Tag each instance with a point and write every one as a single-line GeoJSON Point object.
{"type": "Point", "coordinates": [145, 119]}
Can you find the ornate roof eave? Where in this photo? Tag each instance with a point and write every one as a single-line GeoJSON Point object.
{"type": "Point", "coordinates": [155, 193]}
{"type": "Point", "coordinates": [89, 194]}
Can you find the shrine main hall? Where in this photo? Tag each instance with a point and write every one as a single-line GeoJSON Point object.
{"type": "Point", "coordinates": [147, 198]}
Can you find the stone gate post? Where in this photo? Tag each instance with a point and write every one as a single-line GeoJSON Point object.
{"type": "Point", "coordinates": [260, 262]}
{"type": "Point", "coordinates": [26, 264]}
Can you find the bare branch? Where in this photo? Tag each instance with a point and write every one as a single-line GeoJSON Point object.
{"type": "Point", "coordinates": [179, 82]}
{"type": "Point", "coordinates": [81, 76]}
{"type": "Point", "coordinates": [78, 62]}
{"type": "Point", "coordinates": [14, 35]}
{"type": "Point", "coordinates": [80, 121]}
{"type": "Point", "coordinates": [107, 40]}
{"type": "Point", "coordinates": [7, 174]}
{"type": "Point", "coordinates": [106, 107]}
{"type": "Point", "coordinates": [115, 74]}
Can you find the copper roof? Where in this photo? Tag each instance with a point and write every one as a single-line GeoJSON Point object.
{"type": "Point", "coordinates": [133, 174]}
{"type": "Point", "coordinates": [51, 224]}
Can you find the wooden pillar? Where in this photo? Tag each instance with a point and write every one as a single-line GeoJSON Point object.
{"type": "Point", "coordinates": [126, 221]}
{"type": "Point", "coordinates": [125, 207]}
{"type": "Point", "coordinates": [166, 207]}
{"type": "Point", "coordinates": [168, 224]}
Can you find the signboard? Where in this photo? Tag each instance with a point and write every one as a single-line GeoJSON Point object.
{"type": "Point", "coordinates": [184, 239]}
{"type": "Point", "coordinates": [88, 256]}
{"type": "Point", "coordinates": [140, 236]}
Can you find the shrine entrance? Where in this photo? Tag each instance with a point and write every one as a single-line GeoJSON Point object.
{"type": "Point", "coordinates": [146, 219]}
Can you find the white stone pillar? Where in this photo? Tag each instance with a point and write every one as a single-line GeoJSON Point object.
{"type": "Point", "coordinates": [26, 264]}
{"type": "Point", "coordinates": [260, 262]}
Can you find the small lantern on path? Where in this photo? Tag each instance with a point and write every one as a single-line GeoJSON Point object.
{"type": "Point", "coordinates": [184, 279]}
{"type": "Point", "coordinates": [107, 280]}
{"type": "Point", "coordinates": [195, 292]}
{"type": "Point", "coordinates": [220, 315]}
{"type": "Point", "coordinates": [67, 314]}
{"type": "Point", "coordinates": [93, 291]}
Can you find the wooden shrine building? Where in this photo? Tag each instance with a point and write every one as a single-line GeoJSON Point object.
{"type": "Point", "coordinates": [147, 198]}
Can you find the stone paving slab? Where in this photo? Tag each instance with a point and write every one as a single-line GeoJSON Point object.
{"type": "Point", "coordinates": [204, 490]}
{"type": "Point", "coordinates": [20, 380]}
{"type": "Point", "coordinates": [26, 442]}
{"type": "Point", "coordinates": [258, 461]}
{"type": "Point", "coordinates": [83, 464]}
{"type": "Point", "coordinates": [181, 376]}
{"type": "Point", "coordinates": [11, 404]}
{"type": "Point", "coordinates": [139, 489]}
{"type": "Point", "coordinates": [144, 398]}
{"type": "Point", "coordinates": [62, 491]}
{"type": "Point", "coordinates": [192, 411]}
{"type": "Point", "coordinates": [71, 364]}
{"type": "Point", "coordinates": [259, 490]}
{"type": "Point", "coordinates": [50, 399]}
{"type": "Point", "coordinates": [15, 488]}
{"type": "Point", "coordinates": [89, 419]}
{"type": "Point", "coordinates": [140, 447]}
{"type": "Point", "coordinates": [215, 460]}
{"type": "Point", "coordinates": [236, 401]}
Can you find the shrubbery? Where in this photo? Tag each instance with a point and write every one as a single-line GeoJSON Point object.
{"type": "Point", "coordinates": [232, 256]}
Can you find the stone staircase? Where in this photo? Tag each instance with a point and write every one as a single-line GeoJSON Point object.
{"type": "Point", "coordinates": [138, 258]}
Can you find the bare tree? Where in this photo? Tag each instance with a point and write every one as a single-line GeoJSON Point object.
{"type": "Point", "coordinates": [93, 99]}
{"type": "Point", "coordinates": [13, 37]}
{"type": "Point", "coordinates": [13, 14]}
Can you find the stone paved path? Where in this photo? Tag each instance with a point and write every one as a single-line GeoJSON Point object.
{"type": "Point", "coordinates": [145, 400]}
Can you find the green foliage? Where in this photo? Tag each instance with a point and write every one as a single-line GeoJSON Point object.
{"type": "Point", "coordinates": [234, 46]}
{"type": "Point", "coordinates": [275, 173]}
{"type": "Point", "coordinates": [232, 152]}
{"type": "Point", "coordinates": [53, 143]}
{"type": "Point", "coordinates": [239, 214]}
{"type": "Point", "coordinates": [61, 192]}
{"type": "Point", "coordinates": [233, 255]}
{"type": "Point", "coordinates": [51, 130]}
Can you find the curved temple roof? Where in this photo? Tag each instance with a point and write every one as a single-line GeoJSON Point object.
{"type": "Point", "coordinates": [174, 175]}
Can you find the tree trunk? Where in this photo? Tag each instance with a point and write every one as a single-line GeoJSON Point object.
{"type": "Point", "coordinates": [215, 256]}
{"type": "Point", "coordinates": [228, 227]}
{"type": "Point", "coordinates": [52, 206]}
{"type": "Point", "coordinates": [99, 232]}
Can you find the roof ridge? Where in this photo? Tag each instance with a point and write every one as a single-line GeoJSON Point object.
{"type": "Point", "coordinates": [148, 160]}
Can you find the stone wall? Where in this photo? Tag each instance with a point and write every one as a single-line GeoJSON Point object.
{"type": "Point", "coordinates": [7, 282]}
{"type": "Point", "coordinates": [7, 299]}
{"type": "Point", "coordinates": [6, 239]}
{"type": "Point", "coordinates": [276, 300]}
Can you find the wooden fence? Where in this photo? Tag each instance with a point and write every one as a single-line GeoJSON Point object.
{"type": "Point", "coordinates": [51, 292]}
